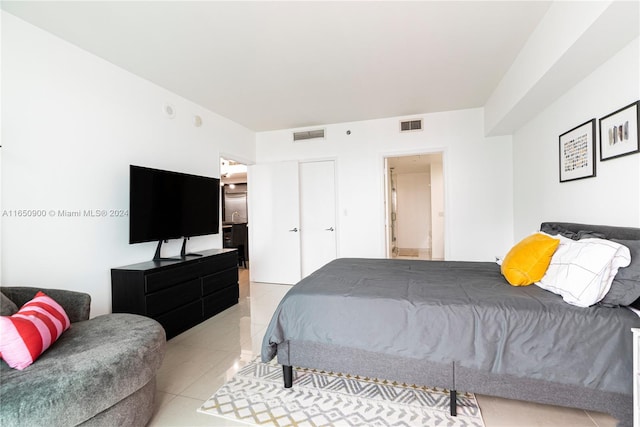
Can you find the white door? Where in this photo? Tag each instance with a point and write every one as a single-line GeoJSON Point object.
{"type": "Point", "coordinates": [317, 215]}
{"type": "Point", "coordinates": [274, 222]}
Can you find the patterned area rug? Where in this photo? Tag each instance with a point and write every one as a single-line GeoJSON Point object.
{"type": "Point", "coordinates": [256, 396]}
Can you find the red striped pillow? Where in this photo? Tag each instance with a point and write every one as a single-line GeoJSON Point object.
{"type": "Point", "coordinates": [28, 333]}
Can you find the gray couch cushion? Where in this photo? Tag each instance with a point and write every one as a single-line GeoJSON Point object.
{"type": "Point", "coordinates": [7, 307]}
{"type": "Point", "coordinates": [93, 366]}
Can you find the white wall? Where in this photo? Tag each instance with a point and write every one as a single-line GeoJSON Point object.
{"type": "Point", "coordinates": [477, 174]}
{"type": "Point", "coordinates": [414, 210]}
{"type": "Point", "coordinates": [557, 56]}
{"type": "Point", "coordinates": [613, 196]}
{"type": "Point", "coordinates": [72, 124]}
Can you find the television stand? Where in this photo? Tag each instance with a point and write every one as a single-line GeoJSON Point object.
{"type": "Point", "coordinates": [183, 251]}
{"type": "Point", "coordinates": [157, 256]}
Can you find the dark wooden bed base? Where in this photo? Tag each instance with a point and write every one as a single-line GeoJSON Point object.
{"type": "Point", "coordinates": [453, 377]}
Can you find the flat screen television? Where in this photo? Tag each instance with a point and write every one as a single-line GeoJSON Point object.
{"type": "Point", "coordinates": [167, 205]}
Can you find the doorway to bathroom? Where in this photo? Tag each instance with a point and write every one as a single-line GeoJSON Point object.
{"type": "Point", "coordinates": [415, 206]}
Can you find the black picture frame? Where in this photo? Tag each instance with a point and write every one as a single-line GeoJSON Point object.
{"type": "Point", "coordinates": [619, 132]}
{"type": "Point", "coordinates": [577, 152]}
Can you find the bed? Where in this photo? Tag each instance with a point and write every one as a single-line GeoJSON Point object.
{"type": "Point", "coordinates": [459, 326]}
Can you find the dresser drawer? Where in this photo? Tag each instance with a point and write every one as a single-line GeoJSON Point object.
{"type": "Point", "coordinates": [216, 302]}
{"type": "Point", "coordinates": [215, 282]}
{"type": "Point", "coordinates": [181, 319]}
{"type": "Point", "coordinates": [219, 263]}
{"type": "Point", "coordinates": [168, 299]}
{"type": "Point", "coordinates": [164, 279]}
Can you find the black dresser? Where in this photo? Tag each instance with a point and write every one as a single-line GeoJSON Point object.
{"type": "Point", "coordinates": [177, 293]}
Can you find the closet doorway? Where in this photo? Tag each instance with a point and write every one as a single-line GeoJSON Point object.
{"type": "Point", "coordinates": [293, 219]}
{"type": "Point", "coordinates": [415, 206]}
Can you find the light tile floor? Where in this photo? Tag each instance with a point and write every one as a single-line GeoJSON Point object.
{"type": "Point", "coordinates": [203, 358]}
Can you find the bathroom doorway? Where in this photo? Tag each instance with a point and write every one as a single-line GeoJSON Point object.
{"type": "Point", "coordinates": [415, 206]}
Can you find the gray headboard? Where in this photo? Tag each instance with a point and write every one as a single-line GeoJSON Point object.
{"type": "Point", "coordinates": [610, 232]}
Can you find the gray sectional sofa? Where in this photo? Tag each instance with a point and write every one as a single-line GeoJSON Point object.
{"type": "Point", "coordinates": [100, 372]}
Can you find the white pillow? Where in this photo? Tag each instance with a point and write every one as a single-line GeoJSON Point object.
{"type": "Point", "coordinates": [581, 271]}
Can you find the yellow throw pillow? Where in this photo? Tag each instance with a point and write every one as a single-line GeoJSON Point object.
{"type": "Point", "coordinates": [527, 262]}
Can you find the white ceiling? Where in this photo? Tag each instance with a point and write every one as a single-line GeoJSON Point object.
{"type": "Point", "coordinates": [277, 65]}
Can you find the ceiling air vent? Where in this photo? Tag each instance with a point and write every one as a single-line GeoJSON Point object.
{"type": "Point", "coordinates": [410, 125]}
{"type": "Point", "coordinates": [308, 134]}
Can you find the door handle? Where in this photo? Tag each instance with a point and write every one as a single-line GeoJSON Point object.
{"type": "Point", "coordinates": [295, 230]}
{"type": "Point", "coordinates": [328, 229]}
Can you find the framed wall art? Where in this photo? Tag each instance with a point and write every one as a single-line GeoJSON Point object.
{"type": "Point", "coordinates": [577, 152]}
{"type": "Point", "coordinates": [619, 132]}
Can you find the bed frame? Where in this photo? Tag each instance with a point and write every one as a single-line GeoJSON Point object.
{"type": "Point", "coordinates": [455, 377]}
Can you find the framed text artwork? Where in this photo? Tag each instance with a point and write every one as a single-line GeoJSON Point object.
{"type": "Point", "coordinates": [577, 152]}
{"type": "Point", "coordinates": [619, 132]}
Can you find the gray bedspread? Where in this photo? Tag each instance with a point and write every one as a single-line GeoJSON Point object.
{"type": "Point", "coordinates": [466, 312]}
